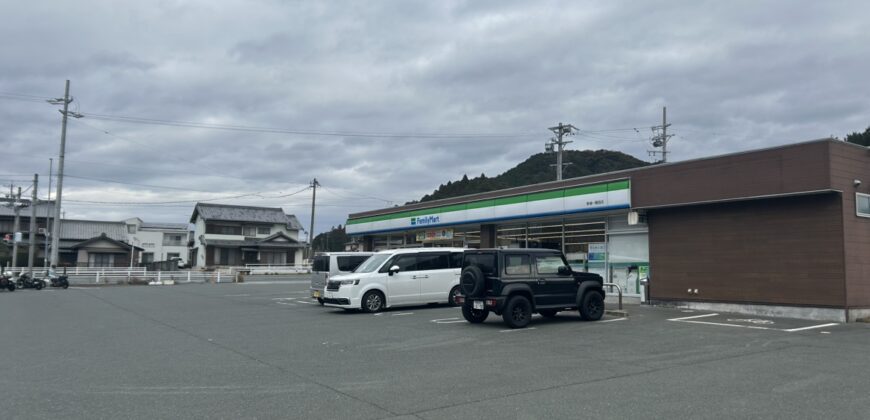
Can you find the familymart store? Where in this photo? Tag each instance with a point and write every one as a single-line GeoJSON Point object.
{"type": "Point", "coordinates": [589, 223]}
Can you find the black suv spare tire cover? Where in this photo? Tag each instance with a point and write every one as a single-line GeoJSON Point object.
{"type": "Point", "coordinates": [471, 281]}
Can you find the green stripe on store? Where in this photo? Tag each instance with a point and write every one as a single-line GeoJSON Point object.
{"type": "Point", "coordinates": [546, 195]}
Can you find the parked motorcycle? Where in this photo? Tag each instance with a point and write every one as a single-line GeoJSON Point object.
{"type": "Point", "coordinates": [26, 282]}
{"type": "Point", "coordinates": [56, 280]}
{"type": "Point", "coordinates": [7, 283]}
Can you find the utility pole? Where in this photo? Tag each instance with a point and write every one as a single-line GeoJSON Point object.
{"type": "Point", "coordinates": [314, 185]}
{"type": "Point", "coordinates": [661, 140]}
{"type": "Point", "coordinates": [16, 225]}
{"type": "Point", "coordinates": [560, 131]}
{"type": "Point", "coordinates": [55, 228]}
{"type": "Point", "coordinates": [46, 253]}
{"type": "Point", "coordinates": [31, 248]}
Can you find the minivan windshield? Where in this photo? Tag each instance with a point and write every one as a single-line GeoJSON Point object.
{"type": "Point", "coordinates": [372, 263]}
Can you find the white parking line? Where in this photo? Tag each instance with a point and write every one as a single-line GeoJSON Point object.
{"type": "Point", "coordinates": [243, 294]}
{"type": "Point", "coordinates": [691, 317]}
{"type": "Point", "coordinates": [811, 327]}
{"type": "Point", "coordinates": [285, 303]}
{"type": "Point", "coordinates": [403, 313]}
{"type": "Point", "coordinates": [613, 320]}
{"type": "Point", "coordinates": [451, 322]}
{"type": "Point", "coordinates": [444, 319]}
{"type": "Point", "coordinates": [518, 329]}
{"type": "Point", "coordinates": [306, 302]}
{"type": "Point", "coordinates": [693, 320]}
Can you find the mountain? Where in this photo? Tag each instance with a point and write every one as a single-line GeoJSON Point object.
{"type": "Point", "coordinates": [537, 169]}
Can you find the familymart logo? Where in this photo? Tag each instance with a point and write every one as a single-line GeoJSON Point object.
{"type": "Point", "coordinates": [425, 220]}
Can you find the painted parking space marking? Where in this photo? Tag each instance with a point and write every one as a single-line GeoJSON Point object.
{"type": "Point", "coordinates": [811, 327]}
{"type": "Point", "coordinates": [612, 320]}
{"type": "Point", "coordinates": [517, 329]}
{"type": "Point", "coordinates": [403, 314]}
{"type": "Point", "coordinates": [307, 302]}
{"type": "Point", "coordinates": [692, 317]}
{"type": "Point", "coordinates": [748, 323]}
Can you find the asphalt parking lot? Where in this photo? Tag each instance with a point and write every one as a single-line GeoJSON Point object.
{"type": "Point", "coordinates": [263, 350]}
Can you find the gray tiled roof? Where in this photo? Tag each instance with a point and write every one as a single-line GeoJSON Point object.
{"type": "Point", "coordinates": [230, 213]}
{"type": "Point", "coordinates": [158, 225]}
{"type": "Point", "coordinates": [87, 229]}
{"type": "Point", "coordinates": [43, 209]}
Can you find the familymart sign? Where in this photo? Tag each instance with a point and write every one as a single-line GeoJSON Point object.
{"type": "Point", "coordinates": [587, 198]}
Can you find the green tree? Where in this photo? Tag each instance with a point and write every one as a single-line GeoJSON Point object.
{"type": "Point", "coordinates": [859, 138]}
{"type": "Point", "coordinates": [331, 241]}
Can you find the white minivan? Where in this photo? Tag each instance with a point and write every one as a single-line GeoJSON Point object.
{"type": "Point", "coordinates": [329, 264]}
{"type": "Point", "coordinates": [398, 277]}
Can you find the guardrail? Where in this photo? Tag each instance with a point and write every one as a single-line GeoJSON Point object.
{"type": "Point", "coordinates": [619, 289]}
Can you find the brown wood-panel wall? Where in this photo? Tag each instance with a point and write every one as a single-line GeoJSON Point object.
{"type": "Point", "coordinates": [785, 251]}
{"type": "Point", "coordinates": [848, 163]}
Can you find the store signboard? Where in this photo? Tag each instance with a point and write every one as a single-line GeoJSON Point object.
{"type": "Point", "coordinates": [582, 199]}
{"type": "Point", "coordinates": [598, 251]}
{"type": "Point", "coordinates": [435, 235]}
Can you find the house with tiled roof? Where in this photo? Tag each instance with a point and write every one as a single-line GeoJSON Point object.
{"type": "Point", "coordinates": [228, 235]}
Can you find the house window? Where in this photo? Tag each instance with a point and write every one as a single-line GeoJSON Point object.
{"type": "Point", "coordinates": [223, 230]}
{"type": "Point", "coordinates": [147, 257]}
{"type": "Point", "coordinates": [250, 231]}
{"type": "Point", "coordinates": [131, 228]}
{"type": "Point", "coordinates": [263, 230]}
{"type": "Point", "coordinates": [273, 258]}
{"type": "Point", "coordinates": [862, 205]}
{"type": "Point", "coordinates": [101, 260]}
{"type": "Point", "coordinates": [173, 240]}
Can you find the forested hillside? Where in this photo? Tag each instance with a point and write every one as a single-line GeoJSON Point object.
{"type": "Point", "coordinates": [537, 169]}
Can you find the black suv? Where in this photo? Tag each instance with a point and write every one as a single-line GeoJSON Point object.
{"type": "Point", "coordinates": [515, 283]}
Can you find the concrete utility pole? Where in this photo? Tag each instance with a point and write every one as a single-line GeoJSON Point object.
{"type": "Point", "coordinates": [46, 253]}
{"type": "Point", "coordinates": [16, 225]}
{"type": "Point", "coordinates": [661, 140]}
{"type": "Point", "coordinates": [314, 185]}
{"type": "Point", "coordinates": [560, 130]}
{"type": "Point", "coordinates": [31, 248]}
{"type": "Point", "coordinates": [55, 229]}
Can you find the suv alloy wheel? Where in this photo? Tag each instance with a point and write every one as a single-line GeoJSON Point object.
{"type": "Point", "coordinates": [592, 306]}
{"type": "Point", "coordinates": [517, 312]}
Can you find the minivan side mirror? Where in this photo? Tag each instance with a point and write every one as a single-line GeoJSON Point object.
{"type": "Point", "coordinates": [394, 269]}
{"type": "Point", "coordinates": [564, 271]}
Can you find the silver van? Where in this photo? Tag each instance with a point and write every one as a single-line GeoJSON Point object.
{"type": "Point", "coordinates": [328, 264]}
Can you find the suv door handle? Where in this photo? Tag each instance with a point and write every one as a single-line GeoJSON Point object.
{"type": "Point", "coordinates": [542, 281]}
{"type": "Point", "coordinates": [420, 277]}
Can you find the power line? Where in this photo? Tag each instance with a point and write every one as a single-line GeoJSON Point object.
{"type": "Point", "coordinates": [149, 203]}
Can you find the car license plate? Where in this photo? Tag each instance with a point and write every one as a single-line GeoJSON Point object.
{"type": "Point", "coordinates": [317, 293]}
{"type": "Point", "coordinates": [478, 304]}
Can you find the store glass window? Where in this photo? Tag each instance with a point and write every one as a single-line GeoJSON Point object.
{"type": "Point", "coordinates": [862, 205]}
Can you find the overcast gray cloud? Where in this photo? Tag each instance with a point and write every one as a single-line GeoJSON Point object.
{"type": "Point", "coordinates": [734, 76]}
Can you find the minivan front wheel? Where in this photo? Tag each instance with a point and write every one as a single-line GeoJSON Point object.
{"type": "Point", "coordinates": [454, 292]}
{"type": "Point", "coordinates": [373, 301]}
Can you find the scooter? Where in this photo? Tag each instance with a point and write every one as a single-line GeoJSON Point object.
{"type": "Point", "coordinates": [7, 283]}
{"type": "Point", "coordinates": [26, 282]}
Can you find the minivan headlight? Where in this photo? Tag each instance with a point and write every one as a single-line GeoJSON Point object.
{"type": "Point", "coordinates": [349, 282]}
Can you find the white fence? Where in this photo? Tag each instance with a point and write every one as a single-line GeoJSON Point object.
{"type": "Point", "coordinates": [276, 269]}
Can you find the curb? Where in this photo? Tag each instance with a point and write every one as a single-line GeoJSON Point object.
{"type": "Point", "coordinates": [612, 312]}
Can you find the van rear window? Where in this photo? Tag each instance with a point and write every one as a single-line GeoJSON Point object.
{"type": "Point", "coordinates": [321, 263]}
{"type": "Point", "coordinates": [351, 262]}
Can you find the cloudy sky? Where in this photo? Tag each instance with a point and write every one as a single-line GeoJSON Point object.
{"type": "Point", "coordinates": [382, 101]}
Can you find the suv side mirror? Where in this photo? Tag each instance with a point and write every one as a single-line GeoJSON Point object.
{"type": "Point", "coordinates": [564, 271]}
{"type": "Point", "coordinates": [394, 269]}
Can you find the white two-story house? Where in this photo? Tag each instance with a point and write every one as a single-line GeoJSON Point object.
{"type": "Point", "coordinates": [160, 241]}
{"type": "Point", "coordinates": [226, 235]}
